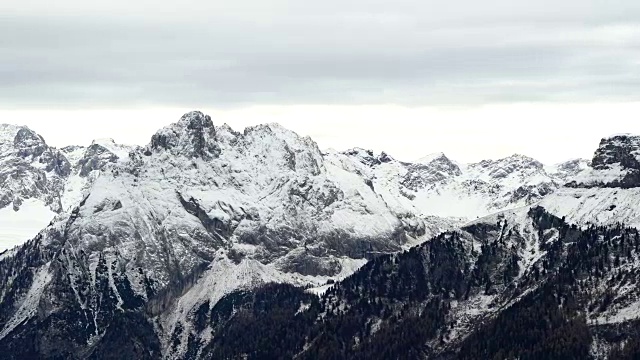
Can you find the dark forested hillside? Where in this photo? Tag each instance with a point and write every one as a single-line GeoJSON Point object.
{"type": "Point", "coordinates": [462, 295]}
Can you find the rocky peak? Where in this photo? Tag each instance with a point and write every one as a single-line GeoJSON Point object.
{"type": "Point", "coordinates": [504, 167]}
{"type": "Point", "coordinates": [95, 157]}
{"type": "Point", "coordinates": [28, 143]}
{"type": "Point", "coordinates": [196, 120]}
{"type": "Point", "coordinates": [273, 146]}
{"type": "Point", "coordinates": [615, 164]}
{"type": "Point", "coordinates": [385, 158]}
{"type": "Point", "coordinates": [431, 157]}
{"type": "Point", "coordinates": [29, 168]}
{"type": "Point", "coordinates": [367, 157]}
{"type": "Point", "coordinates": [442, 163]}
{"type": "Point", "coordinates": [618, 149]}
{"type": "Point", "coordinates": [192, 136]}
{"type": "Point", "coordinates": [71, 148]}
{"type": "Point", "coordinates": [430, 170]}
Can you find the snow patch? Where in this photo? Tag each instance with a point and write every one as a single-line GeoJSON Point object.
{"type": "Point", "coordinates": [29, 306]}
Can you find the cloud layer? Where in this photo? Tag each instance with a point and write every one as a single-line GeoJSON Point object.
{"type": "Point", "coordinates": [219, 53]}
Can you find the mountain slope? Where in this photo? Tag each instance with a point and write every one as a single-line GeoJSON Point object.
{"type": "Point", "coordinates": [159, 254]}
{"type": "Point", "coordinates": [199, 212]}
{"type": "Point", "coordinates": [31, 177]}
{"type": "Point", "coordinates": [521, 283]}
{"type": "Point", "coordinates": [476, 293]}
{"type": "Point", "coordinates": [606, 193]}
{"type": "Point", "coordinates": [38, 181]}
{"type": "Point", "coordinates": [437, 186]}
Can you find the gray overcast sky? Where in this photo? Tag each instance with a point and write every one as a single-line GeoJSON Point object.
{"type": "Point", "coordinates": [475, 79]}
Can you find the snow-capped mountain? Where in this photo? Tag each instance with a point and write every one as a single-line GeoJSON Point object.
{"type": "Point", "coordinates": [606, 193]}
{"type": "Point", "coordinates": [440, 192]}
{"type": "Point", "coordinates": [149, 240]}
{"type": "Point", "coordinates": [87, 162]}
{"type": "Point", "coordinates": [438, 186]}
{"type": "Point", "coordinates": [32, 176]}
{"type": "Point", "coordinates": [38, 181]}
{"type": "Point", "coordinates": [520, 283]}
{"type": "Point", "coordinates": [199, 212]}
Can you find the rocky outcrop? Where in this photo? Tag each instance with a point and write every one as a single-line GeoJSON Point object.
{"type": "Point", "coordinates": [615, 164]}
{"type": "Point", "coordinates": [191, 136]}
{"type": "Point", "coordinates": [95, 158]}
{"type": "Point", "coordinates": [623, 150]}
{"type": "Point", "coordinates": [29, 168]}
{"type": "Point", "coordinates": [437, 170]}
{"type": "Point", "coordinates": [49, 181]}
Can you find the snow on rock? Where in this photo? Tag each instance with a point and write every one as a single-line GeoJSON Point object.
{"type": "Point", "coordinates": [205, 210]}
{"type": "Point", "coordinates": [616, 163]}
{"type": "Point", "coordinates": [608, 191]}
{"type": "Point", "coordinates": [38, 181]}
{"type": "Point", "coordinates": [29, 169]}
{"type": "Point", "coordinates": [32, 175]}
{"type": "Point", "coordinates": [439, 187]}
{"type": "Point", "coordinates": [119, 150]}
{"type": "Point", "coordinates": [29, 304]}
{"type": "Point", "coordinates": [601, 206]}
{"type": "Point", "coordinates": [568, 169]}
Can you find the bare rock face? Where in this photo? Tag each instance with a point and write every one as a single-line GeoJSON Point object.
{"type": "Point", "coordinates": [623, 150]}
{"type": "Point", "coordinates": [95, 158]}
{"type": "Point", "coordinates": [193, 136]}
{"type": "Point", "coordinates": [615, 164]}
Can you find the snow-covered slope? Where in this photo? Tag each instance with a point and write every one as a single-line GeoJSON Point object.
{"type": "Point", "coordinates": [155, 234]}
{"type": "Point", "coordinates": [606, 193]}
{"type": "Point", "coordinates": [438, 186]}
{"type": "Point", "coordinates": [32, 175]}
{"type": "Point", "coordinates": [202, 202]}
{"type": "Point", "coordinates": [38, 181]}
{"type": "Point", "coordinates": [86, 165]}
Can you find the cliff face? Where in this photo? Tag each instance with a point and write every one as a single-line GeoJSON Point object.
{"type": "Point", "coordinates": [616, 164]}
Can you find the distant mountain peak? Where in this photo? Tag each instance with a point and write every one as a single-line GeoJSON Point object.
{"type": "Point", "coordinates": [367, 156]}
{"type": "Point", "coordinates": [104, 142]}
{"type": "Point", "coordinates": [8, 132]}
{"type": "Point", "coordinates": [195, 120]}
{"type": "Point", "coordinates": [513, 159]}
{"type": "Point", "coordinates": [569, 168]}
{"type": "Point", "coordinates": [431, 157]}
{"type": "Point", "coordinates": [615, 164]}
{"type": "Point", "coordinates": [192, 136]}
{"type": "Point", "coordinates": [621, 149]}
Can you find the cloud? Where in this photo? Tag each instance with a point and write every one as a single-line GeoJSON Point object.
{"type": "Point", "coordinates": [201, 53]}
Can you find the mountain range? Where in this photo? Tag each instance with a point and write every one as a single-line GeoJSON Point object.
{"type": "Point", "coordinates": [213, 243]}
